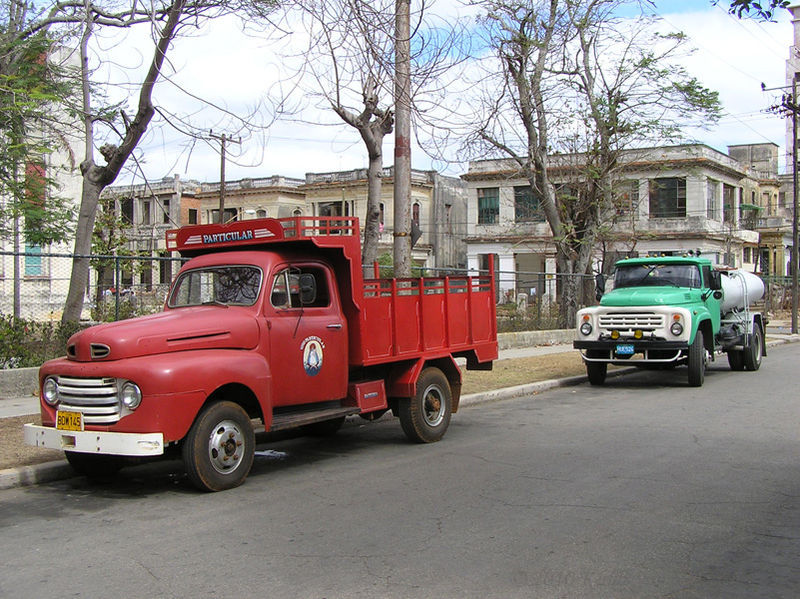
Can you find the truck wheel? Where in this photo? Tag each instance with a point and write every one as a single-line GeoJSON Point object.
{"type": "Point", "coordinates": [596, 371]}
{"type": "Point", "coordinates": [426, 416]}
{"type": "Point", "coordinates": [752, 353]}
{"type": "Point", "coordinates": [93, 466]}
{"type": "Point", "coordinates": [697, 361]}
{"type": "Point", "coordinates": [736, 359]}
{"type": "Point", "coordinates": [218, 451]}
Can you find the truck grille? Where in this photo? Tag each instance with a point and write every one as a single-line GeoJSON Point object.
{"type": "Point", "coordinates": [96, 399]}
{"type": "Point", "coordinates": [626, 321]}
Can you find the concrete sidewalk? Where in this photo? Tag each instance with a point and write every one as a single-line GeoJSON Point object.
{"type": "Point", "coordinates": [49, 471]}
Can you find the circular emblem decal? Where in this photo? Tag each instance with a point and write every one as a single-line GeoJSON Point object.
{"type": "Point", "coordinates": [312, 348]}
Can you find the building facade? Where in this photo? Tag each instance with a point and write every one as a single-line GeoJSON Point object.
{"type": "Point", "coordinates": [668, 200]}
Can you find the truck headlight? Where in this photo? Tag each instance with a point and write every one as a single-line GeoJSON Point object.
{"type": "Point", "coordinates": [676, 329]}
{"type": "Point", "coordinates": [131, 395]}
{"type": "Point", "coordinates": [50, 390]}
{"type": "Point", "coordinates": [586, 328]}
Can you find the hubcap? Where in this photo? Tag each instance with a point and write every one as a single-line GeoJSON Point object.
{"type": "Point", "coordinates": [225, 446]}
{"type": "Point", "coordinates": [433, 406]}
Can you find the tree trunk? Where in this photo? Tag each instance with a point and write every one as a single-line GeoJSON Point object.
{"type": "Point", "coordinates": [79, 278]}
{"type": "Point", "coordinates": [373, 217]}
{"type": "Point", "coordinates": [97, 178]}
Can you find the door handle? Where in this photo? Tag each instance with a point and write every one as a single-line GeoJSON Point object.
{"type": "Point", "coordinates": [337, 326]}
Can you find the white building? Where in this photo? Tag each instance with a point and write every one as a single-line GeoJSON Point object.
{"type": "Point", "coordinates": [670, 200]}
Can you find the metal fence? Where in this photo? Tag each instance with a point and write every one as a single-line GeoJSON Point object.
{"type": "Point", "coordinates": [126, 286]}
{"type": "Point", "coordinates": [33, 285]}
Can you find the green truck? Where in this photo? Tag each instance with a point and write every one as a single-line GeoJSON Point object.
{"type": "Point", "coordinates": [669, 311]}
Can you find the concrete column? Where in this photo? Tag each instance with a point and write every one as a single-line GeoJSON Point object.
{"type": "Point", "coordinates": [507, 277]}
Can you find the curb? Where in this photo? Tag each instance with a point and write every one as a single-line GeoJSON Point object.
{"type": "Point", "coordinates": [24, 476]}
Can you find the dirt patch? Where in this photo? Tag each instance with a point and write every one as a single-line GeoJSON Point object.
{"type": "Point", "coordinates": [14, 452]}
{"type": "Point", "coordinates": [520, 371]}
{"type": "Point", "coordinates": [506, 373]}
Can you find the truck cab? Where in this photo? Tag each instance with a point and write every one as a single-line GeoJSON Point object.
{"type": "Point", "coordinates": [666, 311]}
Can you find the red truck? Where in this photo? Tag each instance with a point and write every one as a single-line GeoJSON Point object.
{"type": "Point", "coordinates": [270, 325]}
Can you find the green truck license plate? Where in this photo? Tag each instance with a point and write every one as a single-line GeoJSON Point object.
{"type": "Point", "coordinates": [625, 349]}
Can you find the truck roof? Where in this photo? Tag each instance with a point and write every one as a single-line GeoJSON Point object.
{"type": "Point", "coordinates": [320, 231]}
{"type": "Point", "coordinates": [687, 259]}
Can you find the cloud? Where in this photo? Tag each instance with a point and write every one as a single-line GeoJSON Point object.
{"type": "Point", "coordinates": [239, 72]}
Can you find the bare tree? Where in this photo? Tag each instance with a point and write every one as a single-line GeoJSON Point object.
{"type": "Point", "coordinates": [166, 20]}
{"type": "Point", "coordinates": [350, 62]}
{"type": "Point", "coordinates": [572, 79]}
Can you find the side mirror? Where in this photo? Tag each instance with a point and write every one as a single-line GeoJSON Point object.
{"type": "Point", "coordinates": [599, 285]}
{"type": "Point", "coordinates": [308, 289]}
{"type": "Point", "coordinates": [715, 282]}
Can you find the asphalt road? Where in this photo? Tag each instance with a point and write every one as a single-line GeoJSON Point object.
{"type": "Point", "coordinates": [644, 488]}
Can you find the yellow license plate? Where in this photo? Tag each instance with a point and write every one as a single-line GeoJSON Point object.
{"type": "Point", "coordinates": [69, 421]}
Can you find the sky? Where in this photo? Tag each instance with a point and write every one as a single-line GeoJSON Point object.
{"type": "Point", "coordinates": [237, 70]}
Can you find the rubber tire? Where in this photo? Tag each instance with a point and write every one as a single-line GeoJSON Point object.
{"type": "Point", "coordinates": [426, 416]}
{"type": "Point", "coordinates": [596, 371]}
{"type": "Point", "coordinates": [697, 361]}
{"type": "Point", "coordinates": [324, 428]}
{"type": "Point", "coordinates": [219, 419]}
{"type": "Point", "coordinates": [95, 466]}
{"type": "Point", "coordinates": [752, 353]}
{"type": "Point", "coordinates": [736, 359]}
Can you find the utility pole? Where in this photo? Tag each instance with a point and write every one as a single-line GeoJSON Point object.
{"type": "Point", "coordinates": [789, 107]}
{"type": "Point", "coordinates": [224, 140]}
{"type": "Point", "coordinates": [402, 139]}
{"type": "Point", "coordinates": [794, 203]}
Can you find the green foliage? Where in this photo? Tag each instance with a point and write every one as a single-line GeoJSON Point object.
{"type": "Point", "coordinates": [32, 88]}
{"type": "Point", "coordinates": [760, 10]}
{"type": "Point", "coordinates": [25, 343]}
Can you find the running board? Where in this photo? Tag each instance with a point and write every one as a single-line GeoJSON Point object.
{"type": "Point", "coordinates": [288, 420]}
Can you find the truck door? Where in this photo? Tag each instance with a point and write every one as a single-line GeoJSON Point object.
{"type": "Point", "coordinates": [308, 335]}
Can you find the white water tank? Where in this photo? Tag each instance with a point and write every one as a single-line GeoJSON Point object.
{"type": "Point", "coordinates": [740, 288]}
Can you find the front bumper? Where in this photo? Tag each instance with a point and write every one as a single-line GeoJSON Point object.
{"type": "Point", "coordinates": [645, 351]}
{"type": "Point", "coordinates": [97, 442]}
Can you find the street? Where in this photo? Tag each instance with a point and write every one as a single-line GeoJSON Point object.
{"type": "Point", "coordinates": [642, 488]}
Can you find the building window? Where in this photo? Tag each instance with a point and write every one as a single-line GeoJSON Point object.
{"type": "Point", "coordinates": [712, 199]}
{"type": "Point", "coordinates": [415, 213]}
{"type": "Point", "coordinates": [668, 198]}
{"type": "Point", "coordinates": [146, 213]}
{"type": "Point", "coordinates": [728, 203]}
{"type": "Point", "coordinates": [626, 200]}
{"type": "Point", "coordinates": [165, 213]}
{"type": "Point", "coordinates": [192, 216]}
{"type": "Point", "coordinates": [261, 213]}
{"type": "Point", "coordinates": [527, 206]}
{"type": "Point", "coordinates": [126, 205]}
{"type": "Point", "coordinates": [231, 215]}
{"type": "Point", "coordinates": [33, 260]}
{"type": "Point", "coordinates": [165, 268]}
{"type": "Point", "coordinates": [488, 205]}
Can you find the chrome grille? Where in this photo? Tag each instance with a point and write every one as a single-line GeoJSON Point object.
{"type": "Point", "coordinates": [96, 399]}
{"type": "Point", "coordinates": [627, 321]}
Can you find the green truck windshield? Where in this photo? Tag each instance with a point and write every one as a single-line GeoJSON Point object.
{"type": "Point", "coordinates": [638, 275]}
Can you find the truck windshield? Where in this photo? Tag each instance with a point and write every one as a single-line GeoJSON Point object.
{"type": "Point", "coordinates": [226, 285]}
{"type": "Point", "coordinates": [676, 275]}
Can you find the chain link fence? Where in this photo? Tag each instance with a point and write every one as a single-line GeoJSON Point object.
{"type": "Point", "coordinates": [34, 285]}
{"type": "Point", "coordinates": [33, 291]}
